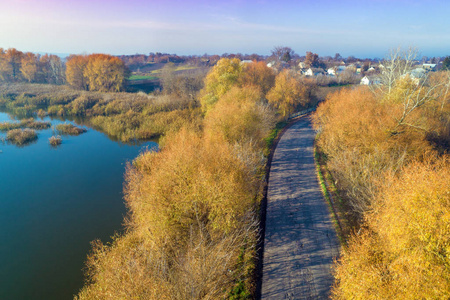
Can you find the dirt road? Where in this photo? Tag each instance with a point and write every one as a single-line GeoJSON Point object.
{"type": "Point", "coordinates": [300, 240]}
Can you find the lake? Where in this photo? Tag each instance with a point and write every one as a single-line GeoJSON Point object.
{"type": "Point", "coordinates": [53, 203]}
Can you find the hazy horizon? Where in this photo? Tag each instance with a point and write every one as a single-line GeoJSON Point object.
{"type": "Point", "coordinates": [365, 29]}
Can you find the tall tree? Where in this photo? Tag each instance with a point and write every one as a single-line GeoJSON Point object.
{"type": "Point", "coordinates": [75, 67]}
{"type": "Point", "coordinates": [258, 74]}
{"type": "Point", "coordinates": [446, 63]}
{"type": "Point", "coordinates": [312, 60]}
{"type": "Point", "coordinates": [56, 70]}
{"type": "Point", "coordinates": [219, 81]}
{"type": "Point", "coordinates": [282, 53]}
{"type": "Point", "coordinates": [12, 64]}
{"type": "Point", "coordinates": [29, 66]}
{"type": "Point", "coordinates": [105, 73]}
{"type": "Point", "coordinates": [287, 94]}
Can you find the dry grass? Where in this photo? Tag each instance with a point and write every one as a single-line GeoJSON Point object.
{"type": "Point", "coordinates": [69, 129]}
{"type": "Point", "coordinates": [55, 141]}
{"type": "Point", "coordinates": [21, 137]}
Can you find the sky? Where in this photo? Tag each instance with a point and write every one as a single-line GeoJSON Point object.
{"type": "Point", "coordinates": [364, 28]}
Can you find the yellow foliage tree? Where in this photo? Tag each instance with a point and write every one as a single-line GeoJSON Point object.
{"type": "Point", "coordinates": [219, 80]}
{"type": "Point", "coordinates": [362, 138]}
{"type": "Point", "coordinates": [287, 94]}
{"type": "Point", "coordinates": [29, 66]}
{"type": "Point", "coordinates": [105, 73]}
{"type": "Point", "coordinates": [404, 253]}
{"type": "Point", "coordinates": [240, 116]}
{"type": "Point", "coordinates": [257, 74]}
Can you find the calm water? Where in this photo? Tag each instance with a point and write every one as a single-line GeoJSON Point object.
{"type": "Point", "coordinates": [53, 203]}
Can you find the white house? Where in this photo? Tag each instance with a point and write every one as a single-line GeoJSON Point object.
{"type": "Point", "coordinates": [314, 72]}
{"type": "Point", "coordinates": [370, 80]}
{"type": "Point", "coordinates": [336, 70]}
{"type": "Point", "coordinates": [429, 67]}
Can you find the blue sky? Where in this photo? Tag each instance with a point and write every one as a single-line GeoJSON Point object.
{"type": "Point", "coordinates": [361, 28]}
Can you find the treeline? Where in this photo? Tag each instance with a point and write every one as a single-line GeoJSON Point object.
{"type": "Point", "coordinates": [94, 72]}
{"type": "Point", "coordinates": [387, 149]}
{"type": "Point", "coordinates": [16, 66]}
{"type": "Point", "coordinates": [192, 227]}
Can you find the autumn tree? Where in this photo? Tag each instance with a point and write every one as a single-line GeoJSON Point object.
{"type": "Point", "coordinates": [312, 60]}
{"type": "Point", "coordinates": [403, 252]}
{"type": "Point", "coordinates": [51, 69]}
{"type": "Point", "coordinates": [397, 63]}
{"type": "Point", "coordinates": [241, 116]}
{"type": "Point", "coordinates": [221, 78]}
{"type": "Point", "coordinates": [10, 64]}
{"type": "Point", "coordinates": [29, 67]}
{"type": "Point", "coordinates": [4, 67]}
{"type": "Point", "coordinates": [258, 74]}
{"type": "Point", "coordinates": [287, 94]}
{"type": "Point", "coordinates": [75, 68]}
{"type": "Point", "coordinates": [105, 73]}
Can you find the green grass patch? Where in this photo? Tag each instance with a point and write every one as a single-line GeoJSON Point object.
{"type": "Point", "coordinates": [273, 135]}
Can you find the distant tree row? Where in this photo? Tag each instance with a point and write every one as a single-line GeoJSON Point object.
{"type": "Point", "coordinates": [16, 66]}
{"type": "Point", "coordinates": [96, 72]}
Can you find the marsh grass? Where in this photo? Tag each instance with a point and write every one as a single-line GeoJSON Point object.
{"type": "Point", "coordinates": [123, 116]}
{"type": "Point", "coordinates": [21, 137]}
{"type": "Point", "coordinates": [69, 129]}
{"type": "Point", "coordinates": [27, 123]}
{"type": "Point", "coordinates": [55, 141]}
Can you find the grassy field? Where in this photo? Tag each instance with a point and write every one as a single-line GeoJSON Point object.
{"type": "Point", "coordinates": [142, 77]}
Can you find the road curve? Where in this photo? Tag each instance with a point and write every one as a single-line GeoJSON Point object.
{"type": "Point", "coordinates": [300, 241]}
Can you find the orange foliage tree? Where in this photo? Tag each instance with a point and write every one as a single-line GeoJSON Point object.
{"type": "Point", "coordinates": [10, 63]}
{"type": "Point", "coordinates": [75, 66]}
{"type": "Point", "coordinates": [29, 67]}
{"type": "Point", "coordinates": [96, 72]}
{"type": "Point", "coordinates": [258, 74]}
{"type": "Point", "coordinates": [105, 73]}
